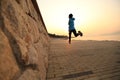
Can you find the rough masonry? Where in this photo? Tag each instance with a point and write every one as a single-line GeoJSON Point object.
{"type": "Point", "coordinates": [24, 42]}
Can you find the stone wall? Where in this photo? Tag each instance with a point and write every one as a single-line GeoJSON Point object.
{"type": "Point", "coordinates": [24, 42]}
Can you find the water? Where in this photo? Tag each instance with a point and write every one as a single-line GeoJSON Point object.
{"type": "Point", "coordinates": [112, 37]}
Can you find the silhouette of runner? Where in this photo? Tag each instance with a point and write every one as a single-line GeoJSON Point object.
{"type": "Point", "coordinates": [72, 28]}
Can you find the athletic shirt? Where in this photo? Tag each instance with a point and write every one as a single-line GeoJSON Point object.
{"type": "Point", "coordinates": [71, 23]}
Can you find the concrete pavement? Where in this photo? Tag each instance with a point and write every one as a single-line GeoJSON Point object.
{"type": "Point", "coordinates": [84, 60]}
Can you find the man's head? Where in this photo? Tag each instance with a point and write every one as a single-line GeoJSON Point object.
{"type": "Point", "coordinates": [70, 15]}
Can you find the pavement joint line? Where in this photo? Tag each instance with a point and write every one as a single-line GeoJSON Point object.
{"type": "Point", "coordinates": [77, 74]}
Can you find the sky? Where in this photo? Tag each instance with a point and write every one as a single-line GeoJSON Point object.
{"type": "Point", "coordinates": [97, 19]}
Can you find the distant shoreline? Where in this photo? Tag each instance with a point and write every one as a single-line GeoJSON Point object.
{"type": "Point", "coordinates": [54, 38]}
{"type": "Point", "coordinates": [65, 37]}
{"type": "Point", "coordinates": [58, 36]}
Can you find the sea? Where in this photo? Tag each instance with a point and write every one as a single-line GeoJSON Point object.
{"type": "Point", "coordinates": [99, 38]}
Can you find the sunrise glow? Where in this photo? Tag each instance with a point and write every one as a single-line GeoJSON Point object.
{"type": "Point", "coordinates": [93, 17]}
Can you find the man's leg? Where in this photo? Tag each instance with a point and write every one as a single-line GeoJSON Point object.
{"type": "Point", "coordinates": [74, 32]}
{"type": "Point", "coordinates": [70, 37]}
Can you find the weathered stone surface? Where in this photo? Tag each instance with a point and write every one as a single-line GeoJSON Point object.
{"type": "Point", "coordinates": [8, 65]}
{"type": "Point", "coordinates": [25, 39]}
{"type": "Point", "coordinates": [30, 75]}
